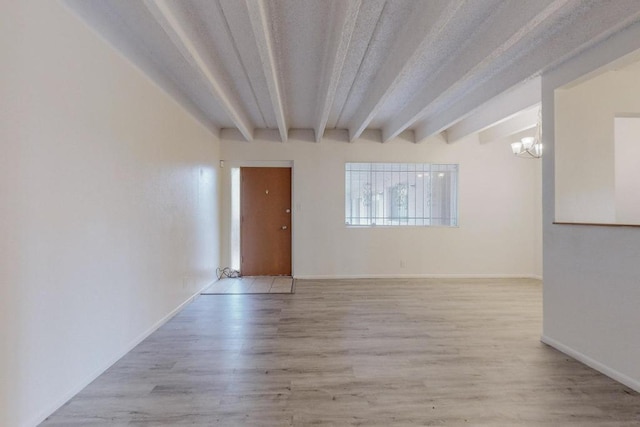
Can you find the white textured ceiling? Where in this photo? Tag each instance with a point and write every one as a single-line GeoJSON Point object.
{"type": "Point", "coordinates": [394, 65]}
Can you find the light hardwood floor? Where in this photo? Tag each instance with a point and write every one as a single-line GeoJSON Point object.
{"type": "Point", "coordinates": [356, 352]}
{"type": "Point", "coordinates": [251, 285]}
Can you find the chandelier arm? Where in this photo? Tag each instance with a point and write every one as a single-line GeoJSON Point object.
{"type": "Point", "coordinates": [535, 149]}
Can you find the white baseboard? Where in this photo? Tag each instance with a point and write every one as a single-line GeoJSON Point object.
{"type": "Point", "coordinates": [34, 421]}
{"type": "Point", "coordinates": [600, 367]}
{"type": "Point", "coordinates": [416, 276]}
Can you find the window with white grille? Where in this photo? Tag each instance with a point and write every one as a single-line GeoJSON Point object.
{"type": "Point", "coordinates": [401, 194]}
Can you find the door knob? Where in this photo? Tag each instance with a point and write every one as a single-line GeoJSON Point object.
{"type": "Point", "coordinates": [284, 227]}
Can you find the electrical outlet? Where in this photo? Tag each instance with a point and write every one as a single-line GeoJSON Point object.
{"type": "Point", "coordinates": [402, 264]}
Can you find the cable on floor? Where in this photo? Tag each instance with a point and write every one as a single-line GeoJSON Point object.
{"type": "Point", "coordinates": [227, 272]}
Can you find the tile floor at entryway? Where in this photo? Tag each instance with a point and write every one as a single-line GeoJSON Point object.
{"type": "Point", "coordinates": [252, 285]}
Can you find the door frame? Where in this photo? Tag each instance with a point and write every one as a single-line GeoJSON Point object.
{"type": "Point", "coordinates": [225, 226]}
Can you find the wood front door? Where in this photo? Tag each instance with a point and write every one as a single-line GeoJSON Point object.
{"type": "Point", "coordinates": [265, 221]}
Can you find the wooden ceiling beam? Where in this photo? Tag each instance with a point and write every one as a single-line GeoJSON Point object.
{"type": "Point", "coordinates": [260, 25]}
{"type": "Point", "coordinates": [170, 24]}
{"type": "Point", "coordinates": [489, 53]}
{"type": "Point", "coordinates": [337, 52]}
{"type": "Point", "coordinates": [422, 31]}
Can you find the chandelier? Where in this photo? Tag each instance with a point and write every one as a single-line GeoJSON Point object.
{"type": "Point", "coordinates": [531, 146]}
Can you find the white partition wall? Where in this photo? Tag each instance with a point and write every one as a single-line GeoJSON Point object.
{"type": "Point", "coordinates": [591, 273]}
{"type": "Point", "coordinates": [596, 178]}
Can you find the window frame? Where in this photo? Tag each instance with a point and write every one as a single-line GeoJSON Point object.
{"type": "Point", "coordinates": [419, 168]}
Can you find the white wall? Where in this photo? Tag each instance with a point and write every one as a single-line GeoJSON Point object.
{"type": "Point", "coordinates": [498, 232]}
{"type": "Point", "coordinates": [627, 149]}
{"type": "Point", "coordinates": [591, 273]}
{"type": "Point", "coordinates": [585, 179]}
{"type": "Point", "coordinates": [108, 207]}
{"type": "Point", "coordinates": [588, 163]}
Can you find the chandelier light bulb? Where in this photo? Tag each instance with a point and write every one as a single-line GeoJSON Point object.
{"type": "Point", "coordinates": [530, 147]}
{"type": "Point", "coordinates": [516, 147]}
{"type": "Point", "coordinates": [527, 142]}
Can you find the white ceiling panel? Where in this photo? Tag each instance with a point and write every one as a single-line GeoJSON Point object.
{"type": "Point", "coordinates": [371, 67]}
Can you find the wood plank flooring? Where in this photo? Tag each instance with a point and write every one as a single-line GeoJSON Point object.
{"type": "Point", "coordinates": [251, 285]}
{"type": "Point", "coordinates": [355, 352]}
